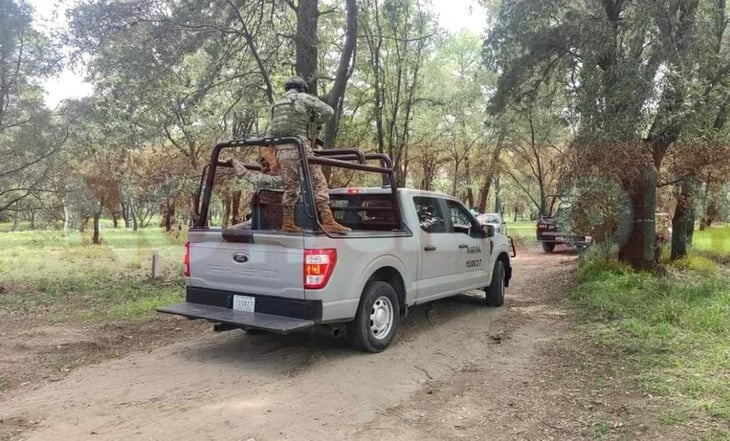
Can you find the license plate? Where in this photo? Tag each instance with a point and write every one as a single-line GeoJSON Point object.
{"type": "Point", "coordinates": [244, 303]}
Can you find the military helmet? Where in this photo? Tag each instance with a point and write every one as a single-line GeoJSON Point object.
{"type": "Point", "coordinates": [295, 82]}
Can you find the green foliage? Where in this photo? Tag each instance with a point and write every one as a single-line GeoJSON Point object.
{"type": "Point", "coordinates": [674, 330]}
{"type": "Point", "coordinates": [29, 133]}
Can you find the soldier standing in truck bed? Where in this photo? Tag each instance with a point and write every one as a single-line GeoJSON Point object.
{"type": "Point", "coordinates": [297, 113]}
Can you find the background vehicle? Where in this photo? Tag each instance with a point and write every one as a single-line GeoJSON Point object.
{"type": "Point", "coordinates": [407, 247]}
{"type": "Point", "coordinates": [551, 232]}
{"type": "Point", "coordinates": [496, 220]}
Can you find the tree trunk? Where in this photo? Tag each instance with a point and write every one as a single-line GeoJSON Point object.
{"type": "Point", "coordinates": [455, 180]}
{"type": "Point", "coordinates": [684, 218]}
{"type": "Point", "coordinates": [306, 42]}
{"type": "Point", "coordinates": [66, 219]}
{"type": "Point", "coordinates": [336, 96]}
{"type": "Point", "coordinates": [469, 196]}
{"type": "Point", "coordinates": [236, 208]}
{"type": "Point", "coordinates": [96, 239]}
{"type": "Point", "coordinates": [115, 219]}
{"type": "Point", "coordinates": [497, 198]}
{"type": "Point", "coordinates": [169, 214]}
{"type": "Point", "coordinates": [125, 214]}
{"type": "Point", "coordinates": [226, 210]}
{"type": "Point", "coordinates": [493, 164]}
{"type": "Point", "coordinates": [484, 194]}
{"type": "Point", "coordinates": [639, 249]}
{"type": "Point", "coordinates": [194, 204]}
{"type": "Point", "coordinates": [133, 215]}
{"type": "Point", "coordinates": [32, 220]}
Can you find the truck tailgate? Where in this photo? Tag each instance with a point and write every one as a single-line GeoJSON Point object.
{"type": "Point", "coordinates": [270, 265]}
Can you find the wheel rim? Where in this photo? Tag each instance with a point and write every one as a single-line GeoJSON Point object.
{"type": "Point", "coordinates": [381, 317]}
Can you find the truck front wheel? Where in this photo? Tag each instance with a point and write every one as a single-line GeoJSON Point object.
{"type": "Point", "coordinates": [495, 291]}
{"type": "Point", "coordinates": [377, 318]}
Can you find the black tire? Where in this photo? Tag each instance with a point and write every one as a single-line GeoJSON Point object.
{"type": "Point", "coordinates": [495, 291]}
{"type": "Point", "coordinates": [377, 298]}
{"type": "Point", "coordinates": [548, 247]}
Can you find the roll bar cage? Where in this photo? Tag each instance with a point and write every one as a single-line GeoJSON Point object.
{"type": "Point", "coordinates": [353, 159]}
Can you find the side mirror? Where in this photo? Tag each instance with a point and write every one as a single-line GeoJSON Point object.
{"type": "Point", "coordinates": [488, 230]}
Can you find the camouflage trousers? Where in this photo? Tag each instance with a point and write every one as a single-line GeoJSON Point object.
{"type": "Point", "coordinates": [288, 156]}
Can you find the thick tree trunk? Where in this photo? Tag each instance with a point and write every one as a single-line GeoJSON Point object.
{"type": "Point", "coordinates": [306, 42]}
{"type": "Point", "coordinates": [115, 219]}
{"type": "Point", "coordinates": [639, 249]}
{"type": "Point", "coordinates": [484, 194]}
{"type": "Point", "coordinates": [683, 220]}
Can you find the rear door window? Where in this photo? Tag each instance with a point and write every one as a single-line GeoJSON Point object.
{"type": "Point", "coordinates": [430, 215]}
{"type": "Point", "coordinates": [364, 212]}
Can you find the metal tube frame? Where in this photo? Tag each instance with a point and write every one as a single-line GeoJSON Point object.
{"type": "Point", "coordinates": [336, 158]}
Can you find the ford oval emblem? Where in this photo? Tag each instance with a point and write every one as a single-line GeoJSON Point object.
{"type": "Point", "coordinates": [240, 258]}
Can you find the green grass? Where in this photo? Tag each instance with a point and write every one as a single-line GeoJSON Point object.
{"type": "Point", "coordinates": [713, 241]}
{"type": "Point", "coordinates": [62, 277]}
{"type": "Point", "coordinates": [523, 230]}
{"type": "Point", "coordinates": [674, 330]}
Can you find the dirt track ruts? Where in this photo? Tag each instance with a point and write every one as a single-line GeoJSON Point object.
{"type": "Point", "coordinates": [314, 387]}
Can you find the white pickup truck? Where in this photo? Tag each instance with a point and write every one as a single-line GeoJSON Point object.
{"type": "Point", "coordinates": [407, 247]}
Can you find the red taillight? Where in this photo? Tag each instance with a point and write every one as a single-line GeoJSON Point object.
{"type": "Point", "coordinates": [318, 267]}
{"type": "Point", "coordinates": [186, 259]}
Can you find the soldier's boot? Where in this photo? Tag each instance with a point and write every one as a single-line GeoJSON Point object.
{"type": "Point", "coordinates": [330, 225]}
{"type": "Point", "coordinates": [287, 223]}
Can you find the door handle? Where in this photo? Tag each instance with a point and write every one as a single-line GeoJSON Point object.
{"type": "Point", "coordinates": [463, 246]}
{"type": "Point", "coordinates": [429, 248]}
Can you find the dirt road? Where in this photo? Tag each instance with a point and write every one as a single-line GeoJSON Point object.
{"type": "Point", "coordinates": [457, 370]}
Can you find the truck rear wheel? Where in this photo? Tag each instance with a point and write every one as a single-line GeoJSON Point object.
{"type": "Point", "coordinates": [495, 291]}
{"type": "Point", "coordinates": [548, 247]}
{"type": "Point", "coordinates": [377, 319]}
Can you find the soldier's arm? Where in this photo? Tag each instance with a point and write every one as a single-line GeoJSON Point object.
{"type": "Point", "coordinates": [254, 177]}
{"type": "Point", "coordinates": [322, 111]}
{"type": "Point", "coordinates": [272, 181]}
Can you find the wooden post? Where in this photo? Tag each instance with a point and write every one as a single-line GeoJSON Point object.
{"type": "Point", "coordinates": [155, 263]}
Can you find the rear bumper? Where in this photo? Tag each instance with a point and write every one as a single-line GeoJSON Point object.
{"type": "Point", "coordinates": [256, 320]}
{"type": "Point", "coordinates": [276, 314]}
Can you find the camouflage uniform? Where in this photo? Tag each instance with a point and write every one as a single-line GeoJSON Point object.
{"type": "Point", "coordinates": [298, 114]}
{"type": "Point", "coordinates": [257, 179]}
